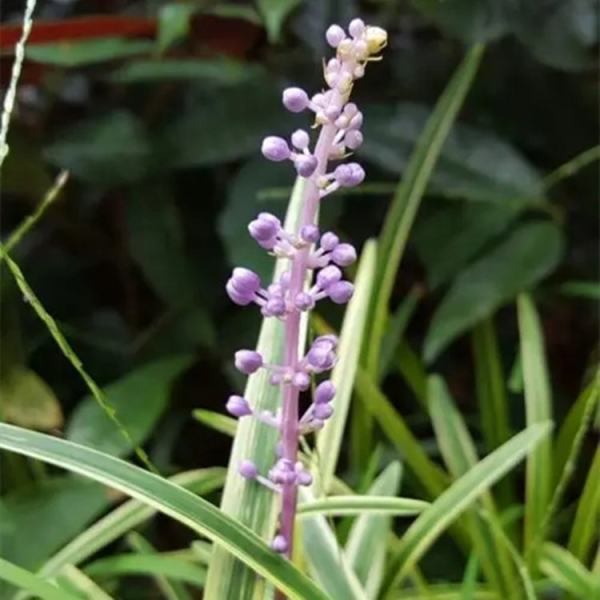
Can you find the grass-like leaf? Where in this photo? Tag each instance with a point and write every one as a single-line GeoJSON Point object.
{"type": "Point", "coordinates": [538, 409]}
{"type": "Point", "coordinates": [358, 505]}
{"type": "Point", "coordinates": [249, 503]}
{"type": "Point", "coordinates": [168, 498]}
{"type": "Point", "coordinates": [458, 451]}
{"type": "Point", "coordinates": [123, 519]}
{"type": "Point", "coordinates": [24, 579]}
{"type": "Point", "coordinates": [329, 439]}
{"type": "Point", "coordinates": [568, 573]}
{"type": "Point", "coordinates": [403, 210]}
{"type": "Point", "coordinates": [429, 475]}
{"type": "Point", "coordinates": [419, 537]}
{"type": "Point", "coordinates": [367, 541]}
{"type": "Point", "coordinates": [587, 516]}
{"type": "Point", "coordinates": [71, 356]}
{"type": "Point", "coordinates": [72, 579]}
{"type": "Point", "coordinates": [327, 561]}
{"type": "Point", "coordinates": [154, 565]}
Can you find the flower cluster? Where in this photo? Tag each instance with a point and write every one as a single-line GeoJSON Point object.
{"type": "Point", "coordinates": [315, 268]}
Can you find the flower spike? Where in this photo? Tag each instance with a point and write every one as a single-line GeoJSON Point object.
{"type": "Point", "coordinates": [315, 268]}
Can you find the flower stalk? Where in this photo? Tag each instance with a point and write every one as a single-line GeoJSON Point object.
{"type": "Point", "coordinates": [308, 251]}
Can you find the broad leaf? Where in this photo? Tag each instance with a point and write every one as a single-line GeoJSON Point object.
{"type": "Point", "coordinates": [274, 13]}
{"type": "Point", "coordinates": [139, 399]}
{"type": "Point", "coordinates": [104, 151]}
{"type": "Point", "coordinates": [87, 52]}
{"type": "Point", "coordinates": [463, 167]}
{"type": "Point", "coordinates": [28, 401]}
{"type": "Point", "coordinates": [517, 263]}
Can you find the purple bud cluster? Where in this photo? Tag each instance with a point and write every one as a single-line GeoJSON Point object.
{"type": "Point", "coordinates": [316, 263]}
{"type": "Point", "coordinates": [278, 299]}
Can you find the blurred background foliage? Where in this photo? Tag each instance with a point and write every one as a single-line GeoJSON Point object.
{"type": "Point", "coordinates": [157, 110]}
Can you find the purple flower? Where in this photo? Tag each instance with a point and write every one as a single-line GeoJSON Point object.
{"type": "Point", "coordinates": [325, 392]}
{"type": "Point", "coordinates": [248, 361]}
{"type": "Point", "coordinates": [335, 34]}
{"type": "Point", "coordinates": [238, 406]}
{"type": "Point", "coordinates": [248, 469]}
{"type": "Point", "coordinates": [322, 411]}
{"type": "Point", "coordinates": [265, 227]}
{"type": "Point", "coordinates": [340, 292]}
{"type": "Point", "coordinates": [329, 241]}
{"type": "Point", "coordinates": [279, 544]}
{"type": "Point", "coordinates": [295, 99]}
{"type": "Point", "coordinates": [343, 255]}
{"type": "Point", "coordinates": [353, 139]}
{"type": "Point", "coordinates": [305, 164]}
{"type": "Point", "coordinates": [327, 276]}
{"type": "Point", "coordinates": [349, 174]}
{"type": "Point", "coordinates": [310, 233]}
{"type": "Point", "coordinates": [300, 139]}
{"type": "Point", "coordinates": [275, 148]}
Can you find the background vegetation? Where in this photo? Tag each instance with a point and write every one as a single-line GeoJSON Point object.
{"type": "Point", "coordinates": [157, 110]}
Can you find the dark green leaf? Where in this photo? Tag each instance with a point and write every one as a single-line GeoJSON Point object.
{"type": "Point", "coordinates": [471, 20]}
{"type": "Point", "coordinates": [463, 168]}
{"type": "Point", "coordinates": [223, 125]}
{"type": "Point", "coordinates": [174, 22]}
{"type": "Point", "coordinates": [139, 399]}
{"type": "Point", "coordinates": [461, 230]}
{"type": "Point", "coordinates": [50, 512]}
{"type": "Point", "coordinates": [104, 151]}
{"type": "Point", "coordinates": [274, 13]}
{"type": "Point", "coordinates": [215, 71]}
{"type": "Point", "coordinates": [519, 262]}
{"type": "Point", "coordinates": [78, 54]}
{"type": "Point", "coordinates": [156, 243]}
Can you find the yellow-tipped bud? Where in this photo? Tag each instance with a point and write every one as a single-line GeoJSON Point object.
{"type": "Point", "coordinates": [376, 39]}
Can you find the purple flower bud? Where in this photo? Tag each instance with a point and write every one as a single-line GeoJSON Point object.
{"type": "Point", "coordinates": [356, 121]}
{"type": "Point", "coordinates": [283, 472]}
{"type": "Point", "coordinates": [322, 411]}
{"type": "Point", "coordinates": [329, 241]}
{"type": "Point", "coordinates": [275, 307]}
{"type": "Point", "coordinates": [264, 227]}
{"type": "Point", "coordinates": [239, 298]}
{"type": "Point", "coordinates": [304, 477]}
{"type": "Point", "coordinates": [310, 233]}
{"type": "Point", "coordinates": [305, 164]}
{"type": "Point", "coordinates": [332, 112]}
{"type": "Point", "coordinates": [238, 406]}
{"type": "Point", "coordinates": [349, 174]}
{"type": "Point", "coordinates": [248, 361]}
{"type": "Point", "coordinates": [325, 392]}
{"type": "Point", "coordinates": [353, 139]}
{"type": "Point", "coordinates": [340, 292]}
{"type": "Point", "coordinates": [329, 338]}
{"type": "Point", "coordinates": [344, 255]}
{"type": "Point", "coordinates": [295, 99]}
{"type": "Point", "coordinates": [304, 301]}
{"type": "Point", "coordinates": [301, 380]}
{"type": "Point", "coordinates": [316, 424]}
{"type": "Point", "coordinates": [279, 544]}
{"type": "Point", "coordinates": [356, 28]}
{"type": "Point", "coordinates": [300, 139]}
{"type": "Point", "coordinates": [245, 281]}
{"type": "Point", "coordinates": [334, 35]}
{"type": "Point", "coordinates": [275, 148]}
{"type": "Point", "coordinates": [248, 469]}
{"type": "Point", "coordinates": [321, 358]}
{"type": "Point", "coordinates": [328, 276]}
{"type": "Point", "coordinates": [350, 109]}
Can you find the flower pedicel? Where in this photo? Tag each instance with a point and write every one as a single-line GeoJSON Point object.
{"type": "Point", "coordinates": [309, 252]}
